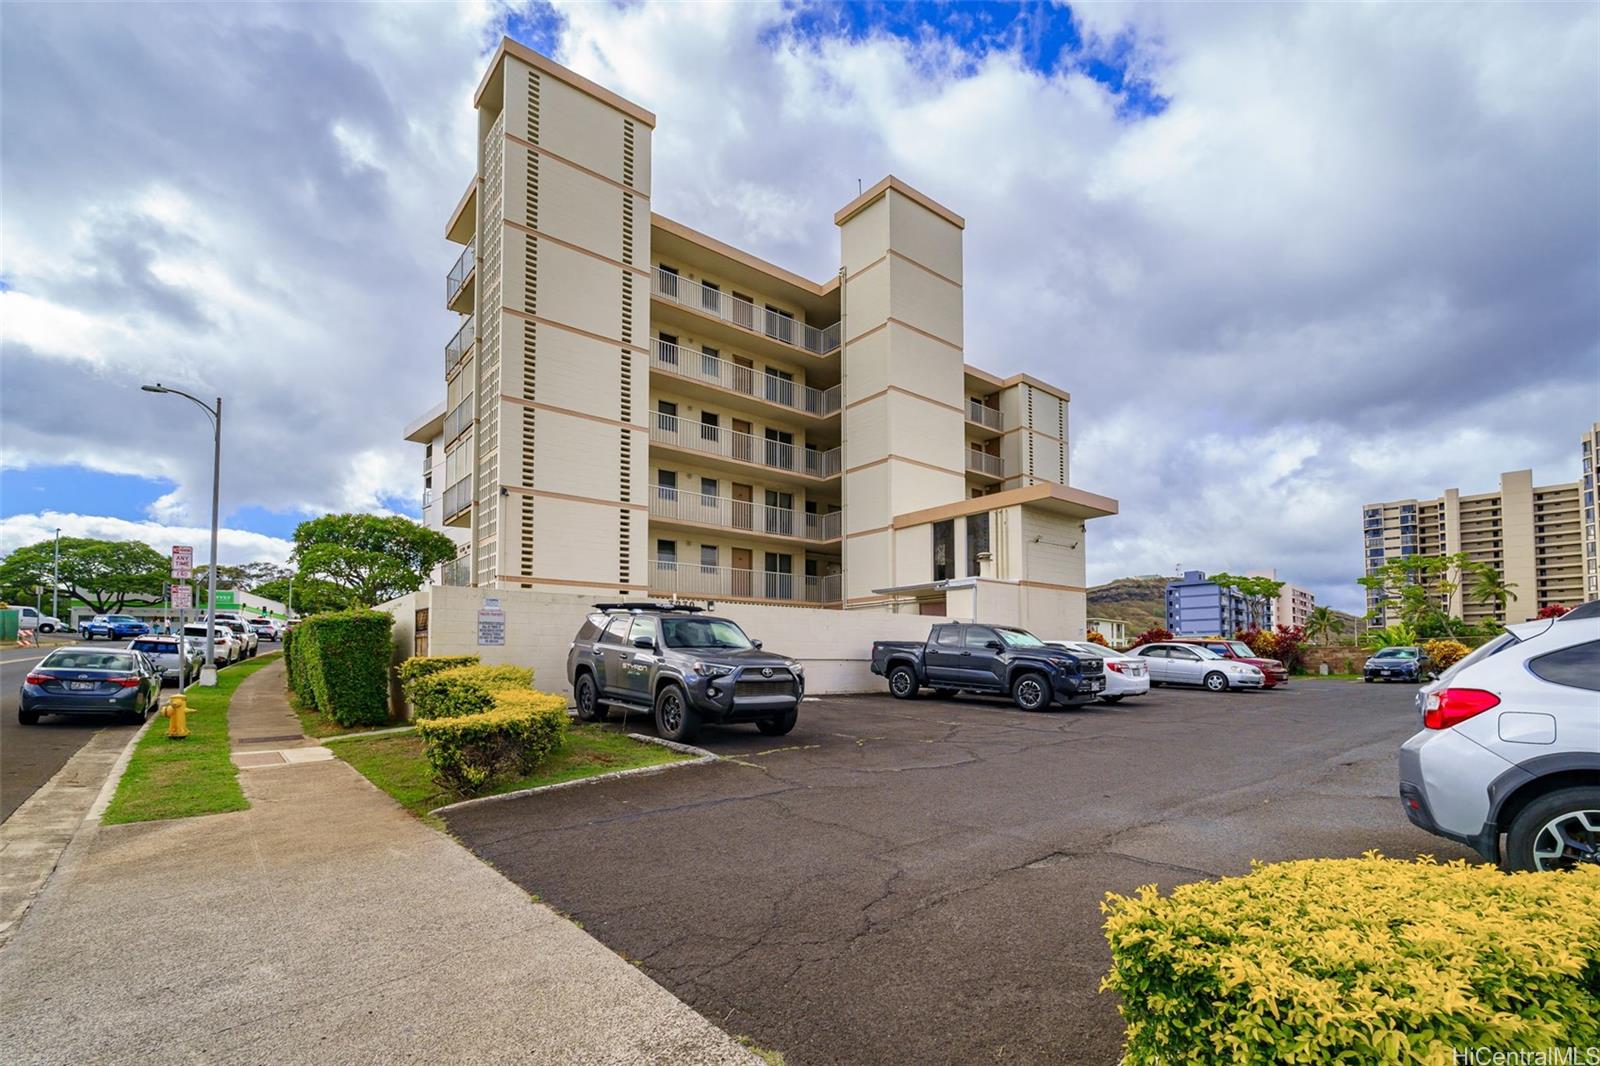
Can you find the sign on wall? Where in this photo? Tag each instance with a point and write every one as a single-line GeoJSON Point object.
{"type": "Point", "coordinates": [182, 561]}
{"type": "Point", "coordinates": [491, 622]}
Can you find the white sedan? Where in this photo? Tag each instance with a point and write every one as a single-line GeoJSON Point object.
{"type": "Point", "coordinates": [1190, 664]}
{"type": "Point", "coordinates": [1126, 675]}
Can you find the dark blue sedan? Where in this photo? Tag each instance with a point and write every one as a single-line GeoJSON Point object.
{"type": "Point", "coordinates": [91, 681]}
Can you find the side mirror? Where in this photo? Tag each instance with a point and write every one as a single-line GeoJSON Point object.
{"type": "Point", "coordinates": [643, 642]}
{"type": "Point", "coordinates": [756, 644]}
{"type": "Point", "coordinates": [994, 645]}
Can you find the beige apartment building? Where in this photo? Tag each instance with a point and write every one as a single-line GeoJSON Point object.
{"type": "Point", "coordinates": [1540, 538]}
{"type": "Point", "coordinates": [636, 408]}
{"type": "Point", "coordinates": [1293, 605]}
{"type": "Point", "coordinates": [1590, 443]}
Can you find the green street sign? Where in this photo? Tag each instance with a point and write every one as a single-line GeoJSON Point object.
{"type": "Point", "coordinates": [225, 598]}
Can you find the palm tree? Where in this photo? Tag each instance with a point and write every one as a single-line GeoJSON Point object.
{"type": "Point", "coordinates": [1323, 623]}
{"type": "Point", "coordinates": [1490, 586]}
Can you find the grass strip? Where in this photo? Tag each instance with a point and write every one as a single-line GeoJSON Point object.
{"type": "Point", "coordinates": [183, 778]}
{"type": "Point", "coordinates": [397, 764]}
{"type": "Point", "coordinates": [313, 723]}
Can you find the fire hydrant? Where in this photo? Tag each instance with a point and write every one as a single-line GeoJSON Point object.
{"type": "Point", "coordinates": [175, 712]}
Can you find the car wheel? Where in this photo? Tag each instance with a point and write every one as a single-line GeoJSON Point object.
{"type": "Point", "coordinates": [1110, 699]}
{"type": "Point", "coordinates": [28, 717]}
{"type": "Point", "coordinates": [83, 635]}
{"type": "Point", "coordinates": [675, 719]}
{"type": "Point", "coordinates": [1216, 682]}
{"type": "Point", "coordinates": [1556, 832]}
{"type": "Point", "coordinates": [587, 697]}
{"type": "Point", "coordinates": [903, 683]}
{"type": "Point", "coordinates": [47, 628]}
{"type": "Point", "coordinates": [779, 726]}
{"type": "Point", "coordinates": [1031, 692]}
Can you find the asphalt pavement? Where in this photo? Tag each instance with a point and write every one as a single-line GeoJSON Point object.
{"type": "Point", "coordinates": [920, 881]}
{"type": "Point", "coordinates": [31, 755]}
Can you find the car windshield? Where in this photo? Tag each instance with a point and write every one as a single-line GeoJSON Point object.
{"type": "Point", "coordinates": [1240, 648]}
{"type": "Point", "coordinates": [155, 647]}
{"type": "Point", "coordinates": [1020, 638]}
{"type": "Point", "coordinates": [1203, 652]}
{"type": "Point", "coordinates": [83, 659]}
{"type": "Point", "coordinates": [120, 618]}
{"type": "Point", "coordinates": [703, 633]}
{"type": "Point", "coordinates": [1397, 653]}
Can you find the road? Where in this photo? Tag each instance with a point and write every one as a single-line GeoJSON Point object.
{"type": "Point", "coordinates": [920, 882]}
{"type": "Point", "coordinates": [30, 755]}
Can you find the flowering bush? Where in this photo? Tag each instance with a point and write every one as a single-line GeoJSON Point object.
{"type": "Point", "coordinates": [1151, 636]}
{"type": "Point", "coordinates": [1282, 644]}
{"type": "Point", "coordinates": [1444, 654]}
{"type": "Point", "coordinates": [1554, 610]}
{"type": "Point", "coordinates": [1094, 637]}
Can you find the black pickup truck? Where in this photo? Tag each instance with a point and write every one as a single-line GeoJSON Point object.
{"type": "Point", "coordinates": [968, 657]}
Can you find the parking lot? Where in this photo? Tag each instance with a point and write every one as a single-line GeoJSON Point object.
{"type": "Point", "coordinates": [920, 881]}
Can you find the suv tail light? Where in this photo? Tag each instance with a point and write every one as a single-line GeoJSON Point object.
{"type": "Point", "coordinates": [1452, 706]}
{"type": "Point", "coordinates": [1116, 666]}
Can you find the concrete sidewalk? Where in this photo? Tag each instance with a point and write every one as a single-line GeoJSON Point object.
{"type": "Point", "coordinates": [325, 924]}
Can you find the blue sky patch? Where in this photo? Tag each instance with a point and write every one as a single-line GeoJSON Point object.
{"type": "Point", "coordinates": [75, 489]}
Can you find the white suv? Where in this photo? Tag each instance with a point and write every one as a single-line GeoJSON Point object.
{"type": "Point", "coordinates": [1510, 746]}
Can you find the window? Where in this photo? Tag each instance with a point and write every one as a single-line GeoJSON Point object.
{"type": "Point", "coordinates": [1575, 667]}
{"type": "Point", "coordinates": [667, 415]}
{"type": "Point", "coordinates": [708, 487]}
{"type": "Point", "coordinates": [667, 277]}
{"type": "Point", "coordinates": [780, 324]}
{"type": "Point", "coordinates": [667, 553]}
{"type": "Point", "coordinates": [949, 636]}
{"type": "Point", "coordinates": [780, 448]}
{"type": "Point", "coordinates": [711, 297]}
{"type": "Point", "coordinates": [710, 363]}
{"type": "Point", "coordinates": [780, 386]}
{"type": "Point", "coordinates": [643, 627]}
{"type": "Point", "coordinates": [944, 546]}
{"type": "Point", "coordinates": [614, 632]}
{"type": "Point", "coordinates": [977, 540]}
{"type": "Point", "coordinates": [779, 576]}
{"type": "Point", "coordinates": [667, 485]}
{"type": "Point", "coordinates": [708, 557]}
{"type": "Point", "coordinates": [780, 512]}
{"type": "Point", "coordinates": [1157, 652]}
{"type": "Point", "coordinates": [709, 425]}
{"type": "Point", "coordinates": [668, 349]}
{"type": "Point", "coordinates": [980, 636]}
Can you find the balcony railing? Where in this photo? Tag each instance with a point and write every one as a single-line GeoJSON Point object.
{"type": "Point", "coordinates": [456, 280]}
{"type": "Point", "coordinates": [744, 447]}
{"type": "Point", "coordinates": [457, 498]}
{"type": "Point", "coordinates": [714, 370]}
{"type": "Point", "coordinates": [983, 414]}
{"type": "Point", "coordinates": [682, 506]}
{"type": "Point", "coordinates": [984, 463]}
{"type": "Point", "coordinates": [695, 581]}
{"type": "Point", "coordinates": [460, 344]}
{"type": "Point", "coordinates": [459, 420]}
{"type": "Point", "coordinates": [743, 313]}
{"type": "Point", "coordinates": [457, 572]}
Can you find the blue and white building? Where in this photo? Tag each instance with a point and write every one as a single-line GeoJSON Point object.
{"type": "Point", "coordinates": [1199, 607]}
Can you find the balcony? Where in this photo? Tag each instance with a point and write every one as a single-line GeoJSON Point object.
{"type": "Point", "coordinates": [984, 415]}
{"type": "Point", "coordinates": [720, 373]}
{"type": "Point", "coordinates": [676, 505]}
{"type": "Point", "coordinates": [455, 283]}
{"type": "Point", "coordinates": [698, 437]}
{"type": "Point", "coordinates": [694, 581]}
{"type": "Point", "coordinates": [457, 504]}
{"type": "Point", "coordinates": [459, 420]}
{"type": "Point", "coordinates": [459, 345]}
{"type": "Point", "coordinates": [985, 464]}
{"type": "Point", "coordinates": [742, 313]}
{"type": "Point", "coordinates": [457, 572]}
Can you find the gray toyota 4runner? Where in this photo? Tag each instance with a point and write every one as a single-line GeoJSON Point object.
{"type": "Point", "coordinates": [682, 666]}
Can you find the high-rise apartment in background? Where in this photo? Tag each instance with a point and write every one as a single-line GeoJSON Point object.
{"type": "Point", "coordinates": [635, 407]}
{"type": "Point", "coordinates": [1539, 537]}
{"type": "Point", "coordinates": [1587, 485]}
{"type": "Point", "coordinates": [1199, 607]}
{"type": "Point", "coordinates": [1293, 605]}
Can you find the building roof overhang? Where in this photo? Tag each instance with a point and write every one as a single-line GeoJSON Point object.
{"type": "Point", "coordinates": [546, 65]}
{"type": "Point", "coordinates": [1046, 496]}
{"type": "Point", "coordinates": [427, 426]}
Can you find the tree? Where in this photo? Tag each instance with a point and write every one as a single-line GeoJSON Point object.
{"type": "Point", "coordinates": [243, 578]}
{"type": "Point", "coordinates": [1490, 586]}
{"type": "Point", "coordinates": [1322, 624]}
{"type": "Point", "coordinates": [374, 558]}
{"type": "Point", "coordinates": [1415, 584]}
{"type": "Point", "coordinates": [1554, 610]}
{"type": "Point", "coordinates": [105, 574]}
{"type": "Point", "coordinates": [311, 595]}
{"type": "Point", "coordinates": [1153, 635]}
{"type": "Point", "coordinates": [1258, 592]}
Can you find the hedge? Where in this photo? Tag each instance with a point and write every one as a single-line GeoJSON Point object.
{"type": "Point", "coordinates": [420, 666]}
{"type": "Point", "coordinates": [339, 664]}
{"type": "Point", "coordinates": [1444, 654]}
{"type": "Point", "coordinates": [1358, 960]}
{"type": "Point", "coordinates": [470, 752]}
{"type": "Point", "coordinates": [463, 690]}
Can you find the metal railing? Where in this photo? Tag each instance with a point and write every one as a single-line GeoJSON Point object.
{"type": "Point", "coordinates": [460, 344]}
{"type": "Point", "coordinates": [457, 498]}
{"type": "Point", "coordinates": [743, 313]}
{"type": "Point", "coordinates": [683, 506]}
{"type": "Point", "coordinates": [744, 447]}
{"type": "Point", "coordinates": [697, 581]}
{"type": "Point", "coordinates": [984, 463]}
{"type": "Point", "coordinates": [714, 370]}
{"type": "Point", "coordinates": [456, 280]}
{"type": "Point", "coordinates": [459, 420]}
{"type": "Point", "coordinates": [983, 414]}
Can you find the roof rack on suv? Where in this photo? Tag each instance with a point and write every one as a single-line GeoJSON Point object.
{"type": "Point", "coordinates": [646, 605]}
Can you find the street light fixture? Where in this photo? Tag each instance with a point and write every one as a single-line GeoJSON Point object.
{"type": "Point", "coordinates": [208, 673]}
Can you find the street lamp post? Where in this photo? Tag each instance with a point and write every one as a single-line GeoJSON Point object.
{"type": "Point", "coordinates": [208, 673]}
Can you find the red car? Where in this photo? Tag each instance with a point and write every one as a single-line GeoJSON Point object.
{"type": "Point", "coordinates": [1275, 672]}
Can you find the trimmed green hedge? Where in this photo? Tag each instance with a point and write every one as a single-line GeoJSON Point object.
{"type": "Point", "coordinates": [469, 753]}
{"type": "Point", "coordinates": [339, 664]}
{"type": "Point", "coordinates": [420, 666]}
{"type": "Point", "coordinates": [1357, 960]}
{"type": "Point", "coordinates": [464, 690]}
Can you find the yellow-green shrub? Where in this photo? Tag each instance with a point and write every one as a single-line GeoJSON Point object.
{"type": "Point", "coordinates": [464, 690]}
{"type": "Point", "coordinates": [1357, 960]}
{"type": "Point", "coordinates": [1444, 654]}
{"type": "Point", "coordinates": [420, 666]}
{"type": "Point", "coordinates": [470, 753]}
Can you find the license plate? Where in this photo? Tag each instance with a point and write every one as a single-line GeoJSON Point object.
{"type": "Point", "coordinates": [81, 686]}
{"type": "Point", "coordinates": [1096, 686]}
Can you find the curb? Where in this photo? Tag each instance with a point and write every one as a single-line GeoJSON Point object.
{"type": "Point", "coordinates": [702, 758]}
{"type": "Point", "coordinates": [98, 808]}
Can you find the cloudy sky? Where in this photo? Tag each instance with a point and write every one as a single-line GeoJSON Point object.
{"type": "Point", "coordinates": [1287, 259]}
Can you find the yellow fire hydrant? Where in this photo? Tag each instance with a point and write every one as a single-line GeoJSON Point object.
{"type": "Point", "coordinates": [175, 712]}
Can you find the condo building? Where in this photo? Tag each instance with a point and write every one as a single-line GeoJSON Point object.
{"type": "Point", "coordinates": [1539, 537]}
{"type": "Point", "coordinates": [632, 407]}
{"type": "Point", "coordinates": [1293, 605]}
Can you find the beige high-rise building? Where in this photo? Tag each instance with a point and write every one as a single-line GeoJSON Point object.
{"type": "Point", "coordinates": [1532, 534]}
{"type": "Point", "coordinates": [1590, 450]}
{"type": "Point", "coordinates": [633, 407]}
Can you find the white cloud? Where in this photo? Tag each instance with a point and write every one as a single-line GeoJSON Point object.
{"type": "Point", "coordinates": [234, 546]}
